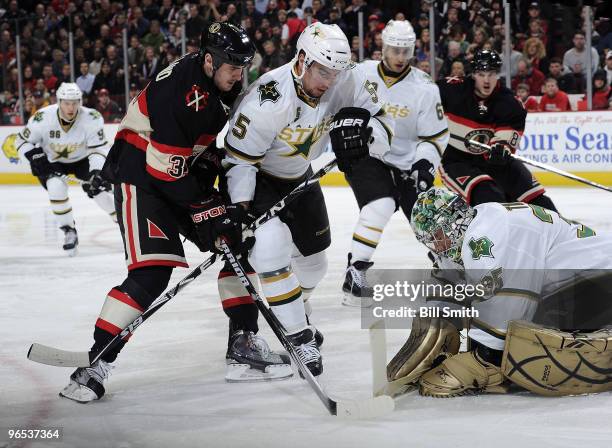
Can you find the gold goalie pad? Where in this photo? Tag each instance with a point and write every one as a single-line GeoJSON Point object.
{"type": "Point", "coordinates": [552, 362]}
{"type": "Point", "coordinates": [431, 340]}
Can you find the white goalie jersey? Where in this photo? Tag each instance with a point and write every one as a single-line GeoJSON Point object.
{"type": "Point", "coordinates": [279, 130]}
{"type": "Point", "coordinates": [413, 103]}
{"type": "Point", "coordinates": [84, 137]}
{"type": "Point", "coordinates": [521, 253]}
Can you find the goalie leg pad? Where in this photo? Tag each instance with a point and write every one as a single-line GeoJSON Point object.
{"type": "Point", "coordinates": [551, 362]}
{"type": "Point", "coordinates": [431, 340]}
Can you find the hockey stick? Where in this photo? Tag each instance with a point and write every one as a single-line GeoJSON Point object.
{"type": "Point", "coordinates": [370, 408]}
{"type": "Point", "coordinates": [546, 167]}
{"type": "Point", "coordinates": [62, 358]}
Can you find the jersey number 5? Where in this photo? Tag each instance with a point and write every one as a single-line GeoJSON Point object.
{"type": "Point", "coordinates": [240, 127]}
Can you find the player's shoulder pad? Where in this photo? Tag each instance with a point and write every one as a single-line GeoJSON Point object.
{"type": "Point", "coordinates": [420, 77]}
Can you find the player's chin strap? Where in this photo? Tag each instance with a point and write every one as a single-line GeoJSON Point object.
{"type": "Point", "coordinates": [544, 167]}
{"type": "Point", "coordinates": [63, 358]}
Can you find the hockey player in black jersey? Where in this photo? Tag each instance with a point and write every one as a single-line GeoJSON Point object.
{"type": "Point", "coordinates": [164, 164]}
{"type": "Point", "coordinates": [480, 108]}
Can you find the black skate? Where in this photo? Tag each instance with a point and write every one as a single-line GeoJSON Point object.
{"type": "Point", "coordinates": [71, 240]}
{"type": "Point", "coordinates": [357, 292]}
{"type": "Point", "coordinates": [250, 359]}
{"type": "Point", "coordinates": [306, 348]}
{"type": "Point", "coordinates": [86, 383]}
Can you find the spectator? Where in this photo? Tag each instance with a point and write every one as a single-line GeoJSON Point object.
{"type": "Point", "coordinates": [335, 19]}
{"type": "Point", "coordinates": [49, 79]}
{"type": "Point", "coordinates": [150, 11]}
{"type": "Point", "coordinates": [195, 24]}
{"type": "Point", "coordinates": [28, 78]}
{"type": "Point", "coordinates": [58, 62]}
{"type": "Point", "coordinates": [425, 66]}
{"type": "Point", "coordinates": [457, 69]}
{"type": "Point", "coordinates": [65, 75]}
{"type": "Point", "coordinates": [39, 101]}
{"type": "Point", "coordinates": [376, 55]}
{"type": "Point", "coordinates": [453, 55]}
{"type": "Point", "coordinates": [566, 83]}
{"type": "Point", "coordinates": [108, 108]}
{"type": "Point", "coordinates": [155, 38]}
{"type": "Point", "coordinates": [106, 80]}
{"type": "Point", "coordinates": [535, 52]}
{"type": "Point", "coordinates": [608, 67]}
{"type": "Point", "coordinates": [554, 100]}
{"type": "Point", "coordinates": [135, 52]}
{"type": "Point", "coordinates": [351, 16]}
{"type": "Point", "coordinates": [86, 80]}
{"type": "Point", "coordinates": [29, 108]}
{"type": "Point", "coordinates": [138, 24]}
{"type": "Point", "coordinates": [578, 56]}
{"type": "Point", "coordinates": [319, 11]}
{"type": "Point", "coordinates": [113, 59]}
{"type": "Point", "coordinates": [271, 59]}
{"type": "Point", "coordinates": [530, 103]}
{"type": "Point", "coordinates": [526, 74]}
{"type": "Point", "coordinates": [149, 66]}
{"type": "Point", "coordinates": [601, 93]}
{"type": "Point", "coordinates": [294, 6]}
{"type": "Point", "coordinates": [168, 13]}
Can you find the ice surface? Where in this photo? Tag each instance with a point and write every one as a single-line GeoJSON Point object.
{"type": "Point", "coordinates": [168, 388]}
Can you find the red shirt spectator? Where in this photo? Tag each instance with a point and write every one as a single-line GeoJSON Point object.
{"type": "Point", "coordinates": [554, 100]}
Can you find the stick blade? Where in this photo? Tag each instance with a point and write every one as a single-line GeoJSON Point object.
{"type": "Point", "coordinates": [51, 356]}
{"type": "Point", "coordinates": [365, 409]}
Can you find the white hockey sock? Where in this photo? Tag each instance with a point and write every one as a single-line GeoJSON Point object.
{"type": "Point", "coordinates": [284, 294]}
{"type": "Point", "coordinates": [106, 202]}
{"type": "Point", "coordinates": [372, 220]}
{"type": "Point", "coordinates": [60, 203]}
{"type": "Point", "coordinates": [310, 270]}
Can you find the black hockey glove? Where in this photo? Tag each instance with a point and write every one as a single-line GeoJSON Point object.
{"type": "Point", "coordinates": [96, 184]}
{"type": "Point", "coordinates": [214, 220]}
{"type": "Point", "coordinates": [350, 135]}
{"type": "Point", "coordinates": [500, 154]}
{"type": "Point", "coordinates": [206, 166]}
{"type": "Point", "coordinates": [39, 164]}
{"type": "Point", "coordinates": [422, 173]}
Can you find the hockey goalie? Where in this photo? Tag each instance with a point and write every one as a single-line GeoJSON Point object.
{"type": "Point", "coordinates": [544, 324]}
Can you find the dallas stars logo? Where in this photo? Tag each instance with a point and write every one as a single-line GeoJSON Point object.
{"type": "Point", "coordinates": [481, 248]}
{"type": "Point", "coordinates": [302, 149]}
{"type": "Point", "coordinates": [268, 92]}
{"type": "Point", "coordinates": [38, 116]}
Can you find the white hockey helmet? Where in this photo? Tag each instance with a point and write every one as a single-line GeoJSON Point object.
{"type": "Point", "coordinates": [69, 91]}
{"type": "Point", "coordinates": [399, 33]}
{"type": "Point", "coordinates": [325, 44]}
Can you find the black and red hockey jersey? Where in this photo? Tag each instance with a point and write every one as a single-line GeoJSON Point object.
{"type": "Point", "coordinates": [500, 118]}
{"type": "Point", "coordinates": [176, 117]}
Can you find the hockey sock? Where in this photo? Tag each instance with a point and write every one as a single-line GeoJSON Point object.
{"type": "Point", "coordinates": [372, 220]}
{"type": "Point", "coordinates": [284, 294]}
{"type": "Point", "coordinates": [126, 302]}
{"type": "Point", "coordinates": [309, 270]}
{"type": "Point", "coordinates": [236, 301]}
{"type": "Point", "coordinates": [544, 201]}
{"type": "Point", "coordinates": [60, 203]}
{"type": "Point", "coordinates": [486, 191]}
{"type": "Point", "coordinates": [106, 202]}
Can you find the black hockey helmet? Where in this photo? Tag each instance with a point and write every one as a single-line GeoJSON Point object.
{"type": "Point", "coordinates": [485, 60]}
{"type": "Point", "coordinates": [228, 44]}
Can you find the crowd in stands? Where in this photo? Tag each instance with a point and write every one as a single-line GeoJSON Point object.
{"type": "Point", "coordinates": [548, 61]}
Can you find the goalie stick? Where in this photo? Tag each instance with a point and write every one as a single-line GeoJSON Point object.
{"type": "Point", "coordinates": [364, 409]}
{"type": "Point", "coordinates": [63, 358]}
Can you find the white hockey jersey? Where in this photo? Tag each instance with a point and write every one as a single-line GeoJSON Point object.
{"type": "Point", "coordinates": [413, 102]}
{"type": "Point", "coordinates": [279, 130]}
{"type": "Point", "coordinates": [66, 144]}
{"type": "Point", "coordinates": [520, 253]}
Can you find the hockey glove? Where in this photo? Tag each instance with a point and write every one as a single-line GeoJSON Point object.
{"type": "Point", "coordinates": [96, 184]}
{"type": "Point", "coordinates": [422, 173]}
{"type": "Point", "coordinates": [500, 154]}
{"type": "Point", "coordinates": [350, 135]}
{"type": "Point", "coordinates": [39, 164]}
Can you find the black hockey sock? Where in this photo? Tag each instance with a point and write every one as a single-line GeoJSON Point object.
{"type": "Point", "coordinates": [544, 201]}
{"type": "Point", "coordinates": [486, 191]}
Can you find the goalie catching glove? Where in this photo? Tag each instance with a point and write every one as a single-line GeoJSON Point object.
{"type": "Point", "coordinates": [350, 136]}
{"type": "Point", "coordinates": [214, 220]}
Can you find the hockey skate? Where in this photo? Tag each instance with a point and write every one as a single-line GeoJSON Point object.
{"type": "Point", "coordinates": [249, 359]}
{"type": "Point", "coordinates": [357, 292]}
{"type": "Point", "coordinates": [462, 374]}
{"type": "Point", "coordinates": [86, 383]}
{"type": "Point", "coordinates": [307, 349]}
{"type": "Point", "coordinates": [71, 240]}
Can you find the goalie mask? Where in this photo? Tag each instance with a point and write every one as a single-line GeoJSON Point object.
{"type": "Point", "coordinates": [439, 221]}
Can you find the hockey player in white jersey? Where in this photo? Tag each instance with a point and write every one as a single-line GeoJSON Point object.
{"type": "Point", "coordinates": [277, 129]}
{"type": "Point", "coordinates": [420, 137]}
{"type": "Point", "coordinates": [67, 138]}
{"type": "Point", "coordinates": [520, 253]}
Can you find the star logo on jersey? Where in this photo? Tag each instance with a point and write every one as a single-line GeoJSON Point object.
{"type": "Point", "coordinates": [492, 282]}
{"type": "Point", "coordinates": [303, 148]}
{"type": "Point", "coordinates": [196, 98]}
{"type": "Point", "coordinates": [38, 116]}
{"type": "Point", "coordinates": [481, 247]}
{"type": "Point", "coordinates": [62, 151]}
{"type": "Point", "coordinates": [268, 92]}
